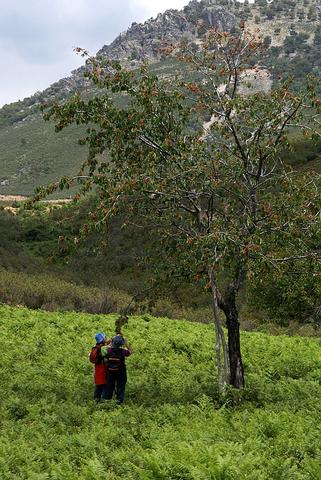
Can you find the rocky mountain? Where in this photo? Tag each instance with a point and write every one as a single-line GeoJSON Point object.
{"type": "Point", "coordinates": [140, 42]}
{"type": "Point", "coordinates": [144, 41]}
{"type": "Point", "coordinates": [31, 154]}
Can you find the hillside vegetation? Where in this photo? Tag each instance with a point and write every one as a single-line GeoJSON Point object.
{"type": "Point", "coordinates": [33, 154]}
{"type": "Point", "coordinates": [102, 278]}
{"type": "Point", "coordinates": [35, 273]}
{"type": "Point", "coordinates": [173, 424]}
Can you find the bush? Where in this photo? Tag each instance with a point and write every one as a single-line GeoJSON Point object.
{"type": "Point", "coordinates": [51, 293]}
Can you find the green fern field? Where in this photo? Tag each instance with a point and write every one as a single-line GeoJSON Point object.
{"type": "Point", "coordinates": [173, 424]}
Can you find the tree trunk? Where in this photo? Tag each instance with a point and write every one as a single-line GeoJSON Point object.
{"type": "Point", "coordinates": [233, 365]}
{"type": "Point", "coordinates": [234, 348]}
{"type": "Point", "coordinates": [222, 358]}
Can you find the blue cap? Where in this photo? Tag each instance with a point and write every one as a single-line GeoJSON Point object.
{"type": "Point", "coordinates": [100, 337]}
{"type": "Point", "coordinates": [117, 341]}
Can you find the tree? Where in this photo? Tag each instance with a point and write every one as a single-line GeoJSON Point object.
{"type": "Point", "coordinates": [208, 189]}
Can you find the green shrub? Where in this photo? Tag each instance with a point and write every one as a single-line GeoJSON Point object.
{"type": "Point", "coordinates": [50, 293]}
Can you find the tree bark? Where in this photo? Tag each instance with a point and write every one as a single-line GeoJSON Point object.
{"type": "Point", "coordinates": [222, 357]}
{"type": "Point", "coordinates": [229, 307]}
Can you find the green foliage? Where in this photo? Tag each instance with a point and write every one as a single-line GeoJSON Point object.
{"type": "Point", "coordinates": [156, 165]}
{"type": "Point", "coordinates": [288, 287]}
{"type": "Point", "coordinates": [28, 239]}
{"type": "Point", "coordinates": [295, 42]}
{"type": "Point", "coordinates": [302, 151]}
{"type": "Point", "coordinates": [32, 154]}
{"type": "Point", "coordinates": [300, 59]}
{"type": "Point", "coordinates": [172, 425]}
{"type": "Point", "coordinates": [12, 256]}
{"type": "Point", "coordinates": [50, 293]}
{"type": "Point", "coordinates": [292, 292]}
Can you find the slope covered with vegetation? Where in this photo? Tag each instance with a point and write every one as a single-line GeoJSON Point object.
{"type": "Point", "coordinates": [33, 154]}
{"type": "Point", "coordinates": [104, 272]}
{"type": "Point", "coordinates": [173, 424]}
{"type": "Point", "coordinates": [34, 271]}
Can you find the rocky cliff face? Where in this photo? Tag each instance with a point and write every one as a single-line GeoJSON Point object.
{"type": "Point", "coordinates": [145, 40]}
{"type": "Point", "coordinates": [219, 17]}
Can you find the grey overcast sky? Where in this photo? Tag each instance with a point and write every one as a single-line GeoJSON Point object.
{"type": "Point", "coordinates": [37, 37]}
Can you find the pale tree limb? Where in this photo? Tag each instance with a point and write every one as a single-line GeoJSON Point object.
{"type": "Point", "coordinates": [223, 363]}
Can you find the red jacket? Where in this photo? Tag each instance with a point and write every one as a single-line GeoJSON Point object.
{"type": "Point", "coordinates": [100, 374]}
{"type": "Point", "coordinates": [100, 369]}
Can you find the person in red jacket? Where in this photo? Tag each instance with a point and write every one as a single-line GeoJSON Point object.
{"type": "Point", "coordinates": [98, 356]}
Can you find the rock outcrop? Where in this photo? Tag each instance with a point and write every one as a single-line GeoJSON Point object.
{"type": "Point", "coordinates": [145, 40]}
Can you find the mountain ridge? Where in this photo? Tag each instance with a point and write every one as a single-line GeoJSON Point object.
{"type": "Point", "coordinates": [131, 47]}
{"type": "Point", "coordinates": [143, 41]}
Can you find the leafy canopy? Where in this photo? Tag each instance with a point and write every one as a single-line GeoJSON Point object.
{"type": "Point", "coordinates": [216, 191]}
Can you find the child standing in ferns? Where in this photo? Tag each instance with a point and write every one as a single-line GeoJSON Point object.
{"type": "Point", "coordinates": [98, 356]}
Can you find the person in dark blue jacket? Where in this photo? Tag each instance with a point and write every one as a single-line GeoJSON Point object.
{"type": "Point", "coordinates": [116, 368]}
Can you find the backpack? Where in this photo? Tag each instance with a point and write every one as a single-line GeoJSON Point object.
{"type": "Point", "coordinates": [94, 355]}
{"type": "Point", "coordinates": [115, 360]}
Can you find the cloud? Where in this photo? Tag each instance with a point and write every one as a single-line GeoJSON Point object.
{"type": "Point", "coordinates": [40, 29]}
{"type": "Point", "coordinates": [37, 38]}
{"type": "Point", "coordinates": [153, 7]}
